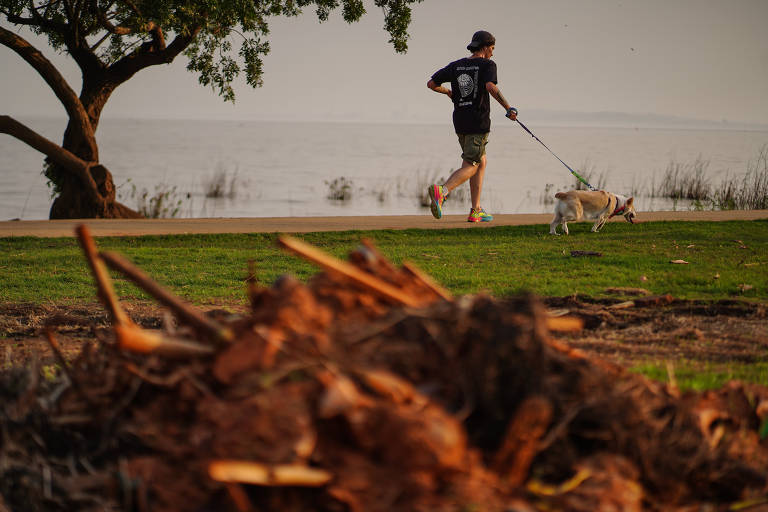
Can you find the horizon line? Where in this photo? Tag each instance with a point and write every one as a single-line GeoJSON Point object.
{"type": "Point", "coordinates": [630, 121]}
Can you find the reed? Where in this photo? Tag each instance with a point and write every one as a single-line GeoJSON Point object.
{"type": "Point", "coordinates": [685, 181]}
{"type": "Point", "coordinates": [221, 184]}
{"type": "Point", "coordinates": [734, 192]}
{"type": "Point", "coordinates": [750, 192]}
{"type": "Point", "coordinates": [164, 202]}
{"type": "Point", "coordinates": [339, 189]}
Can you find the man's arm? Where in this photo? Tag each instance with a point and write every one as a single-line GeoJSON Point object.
{"type": "Point", "coordinates": [494, 91]}
{"type": "Point", "coordinates": [439, 88]}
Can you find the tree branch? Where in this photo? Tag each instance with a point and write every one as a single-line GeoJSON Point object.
{"type": "Point", "coordinates": [106, 24]}
{"type": "Point", "coordinates": [69, 11]}
{"type": "Point", "coordinates": [52, 77]}
{"type": "Point", "coordinates": [157, 35]}
{"type": "Point", "coordinates": [36, 19]}
{"type": "Point", "coordinates": [80, 32]}
{"type": "Point", "coordinates": [78, 9]}
{"type": "Point", "coordinates": [18, 20]}
{"type": "Point", "coordinates": [133, 7]}
{"type": "Point", "coordinates": [48, 6]}
{"type": "Point", "coordinates": [61, 156]}
{"type": "Point", "coordinates": [146, 56]}
{"type": "Point", "coordinates": [98, 43]}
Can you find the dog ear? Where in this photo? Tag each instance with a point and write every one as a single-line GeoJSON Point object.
{"type": "Point", "coordinates": [630, 201]}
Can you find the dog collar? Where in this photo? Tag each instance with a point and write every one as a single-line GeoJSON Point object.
{"type": "Point", "coordinates": [619, 210]}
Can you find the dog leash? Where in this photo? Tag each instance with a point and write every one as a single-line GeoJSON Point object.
{"type": "Point", "coordinates": [578, 177]}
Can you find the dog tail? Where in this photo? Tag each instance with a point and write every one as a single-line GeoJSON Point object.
{"type": "Point", "coordinates": [560, 195]}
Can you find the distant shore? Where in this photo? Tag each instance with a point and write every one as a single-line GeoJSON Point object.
{"type": "Point", "coordinates": [125, 227]}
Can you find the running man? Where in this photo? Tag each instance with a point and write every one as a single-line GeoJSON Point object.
{"type": "Point", "coordinates": [472, 80]}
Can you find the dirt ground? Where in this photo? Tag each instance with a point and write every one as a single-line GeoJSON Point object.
{"type": "Point", "coordinates": [698, 332]}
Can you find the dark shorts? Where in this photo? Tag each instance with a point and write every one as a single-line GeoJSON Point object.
{"type": "Point", "coordinates": [472, 146]}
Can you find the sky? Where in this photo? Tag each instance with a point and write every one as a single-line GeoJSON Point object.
{"type": "Point", "coordinates": [698, 59]}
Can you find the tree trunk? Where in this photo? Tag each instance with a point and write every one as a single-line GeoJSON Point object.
{"type": "Point", "coordinates": [74, 200]}
{"type": "Point", "coordinates": [92, 181]}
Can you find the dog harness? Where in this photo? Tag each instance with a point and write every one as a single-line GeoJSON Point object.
{"type": "Point", "coordinates": [618, 210]}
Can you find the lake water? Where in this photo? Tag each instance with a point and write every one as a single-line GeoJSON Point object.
{"type": "Point", "coordinates": [284, 169]}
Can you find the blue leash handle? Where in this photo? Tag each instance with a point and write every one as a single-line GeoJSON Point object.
{"type": "Point", "coordinates": [578, 177]}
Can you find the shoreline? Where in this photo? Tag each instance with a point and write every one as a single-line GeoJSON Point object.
{"type": "Point", "coordinates": [140, 227]}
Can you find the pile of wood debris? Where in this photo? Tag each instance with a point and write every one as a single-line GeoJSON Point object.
{"type": "Point", "coordinates": [370, 388]}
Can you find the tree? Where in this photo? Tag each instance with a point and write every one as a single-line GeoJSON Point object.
{"type": "Point", "coordinates": [112, 40]}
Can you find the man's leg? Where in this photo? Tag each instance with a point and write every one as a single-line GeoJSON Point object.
{"type": "Point", "coordinates": [437, 193]}
{"type": "Point", "coordinates": [476, 183]}
{"type": "Point", "coordinates": [460, 175]}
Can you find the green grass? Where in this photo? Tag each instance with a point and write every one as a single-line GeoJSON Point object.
{"type": "Point", "coordinates": [502, 260]}
{"type": "Point", "coordinates": [211, 269]}
{"type": "Point", "coordinates": [697, 376]}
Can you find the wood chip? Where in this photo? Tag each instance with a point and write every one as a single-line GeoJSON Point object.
{"type": "Point", "coordinates": [245, 472]}
{"type": "Point", "coordinates": [564, 323]}
{"type": "Point", "coordinates": [522, 440]}
{"type": "Point", "coordinates": [679, 262]}
{"type": "Point", "coordinates": [622, 305]}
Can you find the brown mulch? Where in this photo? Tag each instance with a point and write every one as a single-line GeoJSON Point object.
{"type": "Point", "coordinates": [697, 331]}
{"type": "Point", "coordinates": [334, 396]}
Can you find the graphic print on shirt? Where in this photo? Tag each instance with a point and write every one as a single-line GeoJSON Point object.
{"type": "Point", "coordinates": [467, 84]}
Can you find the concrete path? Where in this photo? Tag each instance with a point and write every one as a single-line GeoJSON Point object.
{"type": "Point", "coordinates": [120, 227]}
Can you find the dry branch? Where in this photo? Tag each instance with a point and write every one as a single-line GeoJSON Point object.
{"type": "Point", "coordinates": [136, 339]}
{"type": "Point", "coordinates": [182, 309]}
{"type": "Point", "coordinates": [103, 282]}
{"type": "Point", "coordinates": [426, 280]}
{"type": "Point", "coordinates": [347, 270]}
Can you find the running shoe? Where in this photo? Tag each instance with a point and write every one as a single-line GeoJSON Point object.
{"type": "Point", "coordinates": [437, 196]}
{"type": "Point", "coordinates": [479, 215]}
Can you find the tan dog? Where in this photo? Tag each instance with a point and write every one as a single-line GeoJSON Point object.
{"type": "Point", "coordinates": [577, 205]}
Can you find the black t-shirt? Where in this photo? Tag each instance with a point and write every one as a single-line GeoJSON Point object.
{"type": "Point", "coordinates": [471, 101]}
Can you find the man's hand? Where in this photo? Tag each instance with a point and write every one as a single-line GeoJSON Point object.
{"type": "Point", "coordinates": [440, 89]}
{"type": "Point", "coordinates": [512, 113]}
